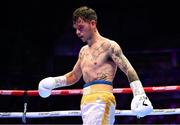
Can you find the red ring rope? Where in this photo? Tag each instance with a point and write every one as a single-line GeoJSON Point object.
{"type": "Point", "coordinates": [79, 91]}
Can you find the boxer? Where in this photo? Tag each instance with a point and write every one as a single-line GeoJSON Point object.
{"type": "Point", "coordinates": [97, 63]}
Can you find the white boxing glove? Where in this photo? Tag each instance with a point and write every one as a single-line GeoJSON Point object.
{"type": "Point", "coordinates": [140, 105]}
{"type": "Point", "coordinates": [48, 84]}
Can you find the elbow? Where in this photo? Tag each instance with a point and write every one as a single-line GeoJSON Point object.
{"type": "Point", "coordinates": [72, 78]}
{"type": "Point", "coordinates": [132, 75]}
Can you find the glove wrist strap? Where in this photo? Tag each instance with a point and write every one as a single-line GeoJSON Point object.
{"type": "Point", "coordinates": [137, 88]}
{"type": "Point", "coordinates": [60, 81]}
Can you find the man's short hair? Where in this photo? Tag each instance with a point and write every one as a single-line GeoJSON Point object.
{"type": "Point", "coordinates": [84, 12]}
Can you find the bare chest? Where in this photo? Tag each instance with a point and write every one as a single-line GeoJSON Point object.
{"type": "Point", "coordinates": [94, 58]}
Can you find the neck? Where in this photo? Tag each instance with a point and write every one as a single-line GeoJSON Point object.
{"type": "Point", "coordinates": [95, 38]}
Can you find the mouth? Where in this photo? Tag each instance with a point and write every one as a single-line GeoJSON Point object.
{"type": "Point", "coordinates": [81, 37]}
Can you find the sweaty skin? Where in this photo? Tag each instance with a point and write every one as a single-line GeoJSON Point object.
{"type": "Point", "coordinates": [96, 63]}
{"type": "Point", "coordinates": [99, 59]}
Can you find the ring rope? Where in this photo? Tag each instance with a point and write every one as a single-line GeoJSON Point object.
{"type": "Point", "coordinates": [78, 113]}
{"type": "Point", "coordinates": [80, 91]}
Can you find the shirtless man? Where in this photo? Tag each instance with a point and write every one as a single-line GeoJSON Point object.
{"type": "Point", "coordinates": [97, 63]}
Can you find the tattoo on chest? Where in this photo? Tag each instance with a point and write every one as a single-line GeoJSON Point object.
{"type": "Point", "coordinates": [97, 52]}
{"type": "Point", "coordinates": [94, 53]}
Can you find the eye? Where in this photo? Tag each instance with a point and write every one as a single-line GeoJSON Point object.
{"type": "Point", "coordinates": [81, 28]}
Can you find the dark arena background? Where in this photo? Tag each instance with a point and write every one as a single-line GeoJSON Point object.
{"type": "Point", "coordinates": [38, 41]}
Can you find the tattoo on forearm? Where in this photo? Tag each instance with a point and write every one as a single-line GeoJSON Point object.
{"type": "Point", "coordinates": [132, 76]}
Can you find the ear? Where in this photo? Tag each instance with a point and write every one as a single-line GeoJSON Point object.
{"type": "Point", "coordinates": [93, 22]}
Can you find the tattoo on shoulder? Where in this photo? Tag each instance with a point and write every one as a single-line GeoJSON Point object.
{"type": "Point", "coordinates": [81, 54]}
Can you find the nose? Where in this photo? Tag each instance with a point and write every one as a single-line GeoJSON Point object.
{"type": "Point", "coordinates": [78, 32]}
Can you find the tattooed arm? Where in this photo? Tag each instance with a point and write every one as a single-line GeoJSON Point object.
{"type": "Point", "coordinates": [140, 105]}
{"type": "Point", "coordinates": [122, 62]}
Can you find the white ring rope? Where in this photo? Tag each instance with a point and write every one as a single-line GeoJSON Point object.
{"type": "Point", "coordinates": [78, 113]}
{"type": "Point", "coordinates": [70, 113]}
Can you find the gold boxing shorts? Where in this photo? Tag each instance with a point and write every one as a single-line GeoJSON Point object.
{"type": "Point", "coordinates": [97, 107]}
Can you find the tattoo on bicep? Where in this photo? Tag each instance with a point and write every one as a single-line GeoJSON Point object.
{"type": "Point", "coordinates": [119, 58]}
{"type": "Point", "coordinates": [77, 72]}
{"type": "Point", "coordinates": [121, 61]}
{"type": "Point", "coordinates": [124, 62]}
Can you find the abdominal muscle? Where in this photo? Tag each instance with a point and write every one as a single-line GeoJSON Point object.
{"type": "Point", "coordinates": [96, 64]}
{"type": "Point", "coordinates": [105, 72]}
